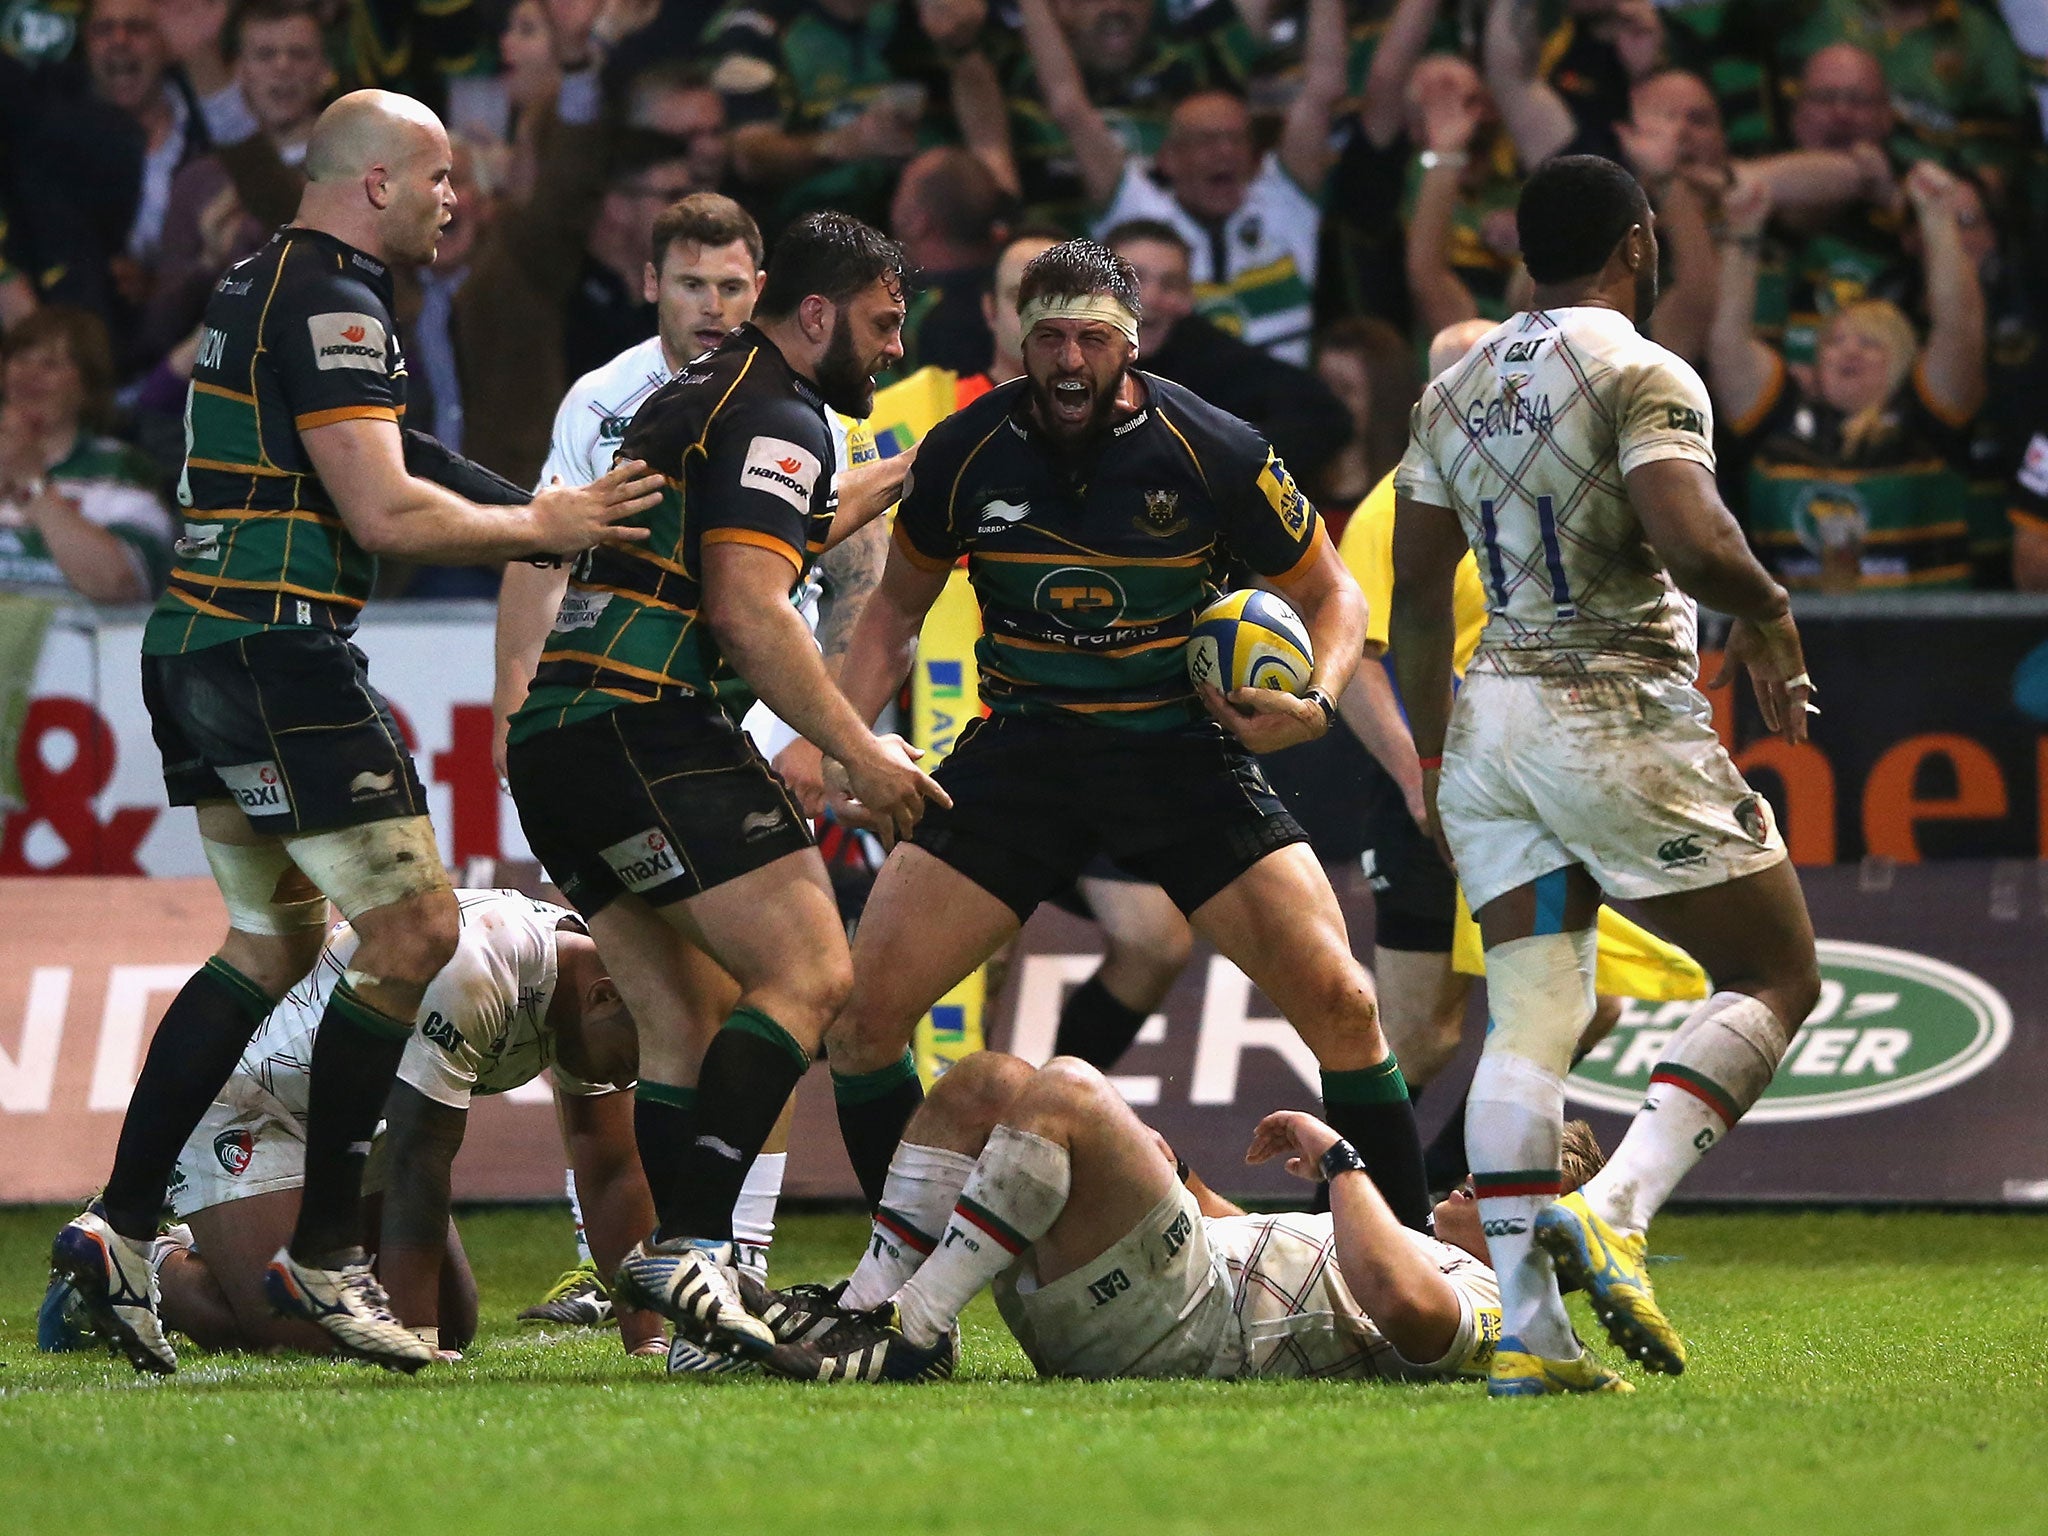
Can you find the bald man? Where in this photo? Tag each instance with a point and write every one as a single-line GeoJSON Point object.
{"type": "Point", "coordinates": [296, 479]}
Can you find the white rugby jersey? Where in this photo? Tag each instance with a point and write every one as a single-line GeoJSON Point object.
{"type": "Point", "coordinates": [1299, 1318]}
{"type": "Point", "coordinates": [591, 422]}
{"type": "Point", "coordinates": [1527, 440]}
{"type": "Point", "coordinates": [481, 1028]}
{"type": "Point", "coordinates": [1255, 275]}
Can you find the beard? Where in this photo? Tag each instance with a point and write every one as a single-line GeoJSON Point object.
{"type": "Point", "coordinates": [1076, 436]}
{"type": "Point", "coordinates": [1646, 292]}
{"type": "Point", "coordinates": [843, 379]}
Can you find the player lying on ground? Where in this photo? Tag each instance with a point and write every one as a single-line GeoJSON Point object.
{"type": "Point", "coordinates": [1576, 460]}
{"type": "Point", "coordinates": [525, 993]}
{"type": "Point", "coordinates": [1100, 508]}
{"type": "Point", "coordinates": [1109, 1259]}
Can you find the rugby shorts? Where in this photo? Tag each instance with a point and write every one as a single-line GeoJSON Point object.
{"type": "Point", "coordinates": [1071, 898]}
{"type": "Point", "coordinates": [1414, 893]}
{"type": "Point", "coordinates": [662, 801]}
{"type": "Point", "coordinates": [284, 724]}
{"type": "Point", "coordinates": [1036, 799]}
{"type": "Point", "coordinates": [1157, 1304]}
{"type": "Point", "coordinates": [1619, 772]}
{"type": "Point", "coordinates": [247, 1143]}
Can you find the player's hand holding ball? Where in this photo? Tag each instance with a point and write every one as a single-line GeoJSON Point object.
{"type": "Point", "coordinates": [1250, 659]}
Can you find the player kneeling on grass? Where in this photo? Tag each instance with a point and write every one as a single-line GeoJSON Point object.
{"type": "Point", "coordinates": [525, 993]}
{"type": "Point", "coordinates": [1110, 1260]}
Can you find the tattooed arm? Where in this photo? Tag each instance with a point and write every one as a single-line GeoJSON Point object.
{"type": "Point", "coordinates": [850, 571]}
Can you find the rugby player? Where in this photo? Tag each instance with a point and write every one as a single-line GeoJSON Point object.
{"type": "Point", "coordinates": [704, 276]}
{"type": "Point", "coordinates": [1099, 509]}
{"type": "Point", "coordinates": [1110, 1259]}
{"type": "Point", "coordinates": [639, 791]}
{"type": "Point", "coordinates": [525, 993]}
{"type": "Point", "coordinates": [296, 478]}
{"type": "Point", "coordinates": [1575, 458]}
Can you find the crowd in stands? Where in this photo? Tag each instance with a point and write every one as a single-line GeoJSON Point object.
{"type": "Point", "coordinates": [1852, 199]}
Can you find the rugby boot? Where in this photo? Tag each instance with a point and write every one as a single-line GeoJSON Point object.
{"type": "Point", "coordinates": [868, 1346]}
{"type": "Point", "coordinates": [116, 1286]}
{"type": "Point", "coordinates": [350, 1305]}
{"type": "Point", "coordinates": [797, 1314]}
{"type": "Point", "coordinates": [686, 1357]}
{"type": "Point", "coordinates": [577, 1300]}
{"type": "Point", "coordinates": [1609, 1267]}
{"type": "Point", "coordinates": [61, 1327]}
{"type": "Point", "coordinates": [1517, 1373]}
{"type": "Point", "coordinates": [692, 1283]}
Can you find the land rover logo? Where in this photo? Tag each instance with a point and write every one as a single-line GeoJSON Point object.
{"type": "Point", "coordinates": [1892, 1026]}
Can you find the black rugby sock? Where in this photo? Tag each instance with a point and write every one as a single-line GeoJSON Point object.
{"type": "Point", "coordinates": [752, 1067]}
{"type": "Point", "coordinates": [874, 1108]}
{"type": "Point", "coordinates": [664, 1124]}
{"type": "Point", "coordinates": [1096, 1026]}
{"type": "Point", "coordinates": [195, 1048]}
{"type": "Point", "coordinates": [355, 1058]}
{"type": "Point", "coordinates": [1369, 1108]}
{"type": "Point", "coordinates": [1445, 1161]}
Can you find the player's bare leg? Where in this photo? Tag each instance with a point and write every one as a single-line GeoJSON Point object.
{"type": "Point", "coordinates": [1146, 946]}
{"type": "Point", "coordinates": [1279, 923]}
{"type": "Point", "coordinates": [234, 1241]}
{"type": "Point", "coordinates": [1754, 939]}
{"type": "Point", "coordinates": [926, 927]}
{"type": "Point", "coordinates": [1422, 1009]}
{"type": "Point", "coordinates": [278, 920]}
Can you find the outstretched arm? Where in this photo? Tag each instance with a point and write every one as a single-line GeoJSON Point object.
{"type": "Point", "coordinates": [1538, 120]}
{"type": "Point", "coordinates": [1097, 149]}
{"type": "Point", "coordinates": [1386, 83]}
{"type": "Point", "coordinates": [1741, 366]}
{"type": "Point", "coordinates": [1952, 364]}
{"type": "Point", "coordinates": [1305, 137]}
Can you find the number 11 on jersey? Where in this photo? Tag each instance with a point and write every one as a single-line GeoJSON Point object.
{"type": "Point", "coordinates": [1553, 557]}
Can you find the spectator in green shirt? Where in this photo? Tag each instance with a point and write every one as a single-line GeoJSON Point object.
{"type": "Point", "coordinates": [79, 512]}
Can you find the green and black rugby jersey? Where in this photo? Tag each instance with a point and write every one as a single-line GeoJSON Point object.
{"type": "Point", "coordinates": [297, 336]}
{"type": "Point", "coordinates": [1089, 574]}
{"type": "Point", "coordinates": [744, 445]}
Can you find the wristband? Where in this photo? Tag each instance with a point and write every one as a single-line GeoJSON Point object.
{"type": "Point", "coordinates": [1431, 764]}
{"type": "Point", "coordinates": [1320, 697]}
{"type": "Point", "coordinates": [1341, 1158]}
{"type": "Point", "coordinates": [1181, 1170]}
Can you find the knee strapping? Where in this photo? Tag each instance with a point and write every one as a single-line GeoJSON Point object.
{"type": "Point", "coordinates": [251, 877]}
{"type": "Point", "coordinates": [1540, 993]}
{"type": "Point", "coordinates": [1726, 1053]}
{"type": "Point", "coordinates": [374, 865]}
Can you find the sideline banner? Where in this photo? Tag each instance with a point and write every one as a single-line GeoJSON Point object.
{"type": "Point", "coordinates": [1923, 1075]}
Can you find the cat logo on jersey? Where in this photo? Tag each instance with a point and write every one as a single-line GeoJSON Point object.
{"type": "Point", "coordinates": [1283, 495]}
{"type": "Point", "coordinates": [1162, 517]}
{"type": "Point", "coordinates": [1524, 351]}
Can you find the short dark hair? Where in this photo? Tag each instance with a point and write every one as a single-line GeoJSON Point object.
{"type": "Point", "coordinates": [1158, 231]}
{"type": "Point", "coordinates": [959, 195]}
{"type": "Point", "coordinates": [1074, 269]}
{"type": "Point", "coordinates": [833, 255]}
{"type": "Point", "coordinates": [84, 337]}
{"type": "Point", "coordinates": [1573, 213]}
{"type": "Point", "coordinates": [708, 219]}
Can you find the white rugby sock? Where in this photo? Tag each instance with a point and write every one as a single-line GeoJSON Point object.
{"type": "Point", "coordinates": [753, 1214]}
{"type": "Point", "coordinates": [1514, 1130]}
{"type": "Point", "coordinates": [923, 1185]}
{"type": "Point", "coordinates": [1716, 1067]}
{"type": "Point", "coordinates": [576, 1210]}
{"type": "Point", "coordinates": [1017, 1190]}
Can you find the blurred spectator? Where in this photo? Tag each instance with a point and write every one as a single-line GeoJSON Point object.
{"type": "Point", "coordinates": [1291, 407]}
{"type": "Point", "coordinates": [1131, 72]}
{"type": "Point", "coordinates": [1564, 90]}
{"type": "Point", "coordinates": [828, 98]}
{"type": "Point", "coordinates": [281, 73]}
{"type": "Point", "coordinates": [415, 46]}
{"type": "Point", "coordinates": [92, 161]}
{"type": "Point", "coordinates": [499, 115]}
{"type": "Point", "coordinates": [1370, 367]}
{"type": "Point", "coordinates": [1859, 480]}
{"type": "Point", "coordinates": [952, 218]}
{"type": "Point", "coordinates": [1733, 46]}
{"type": "Point", "coordinates": [2028, 512]}
{"type": "Point", "coordinates": [607, 309]}
{"type": "Point", "coordinates": [40, 31]}
{"type": "Point", "coordinates": [79, 512]}
{"type": "Point", "coordinates": [1460, 248]}
{"type": "Point", "coordinates": [1250, 222]}
{"type": "Point", "coordinates": [673, 100]}
{"type": "Point", "coordinates": [1957, 83]}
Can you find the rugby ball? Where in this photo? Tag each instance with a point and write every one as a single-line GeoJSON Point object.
{"type": "Point", "coordinates": [1250, 639]}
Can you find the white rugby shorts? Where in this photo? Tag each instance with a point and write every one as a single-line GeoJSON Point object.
{"type": "Point", "coordinates": [247, 1143]}
{"type": "Point", "coordinates": [1618, 772]}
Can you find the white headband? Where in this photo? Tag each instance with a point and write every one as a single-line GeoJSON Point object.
{"type": "Point", "coordinates": [1106, 308]}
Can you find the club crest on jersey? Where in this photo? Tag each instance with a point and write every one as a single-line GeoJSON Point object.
{"type": "Point", "coordinates": [257, 787]}
{"type": "Point", "coordinates": [1162, 517]}
{"type": "Point", "coordinates": [235, 1150]}
{"type": "Point", "coordinates": [643, 861]}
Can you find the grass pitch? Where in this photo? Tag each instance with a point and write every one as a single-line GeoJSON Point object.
{"type": "Point", "coordinates": [1849, 1373]}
